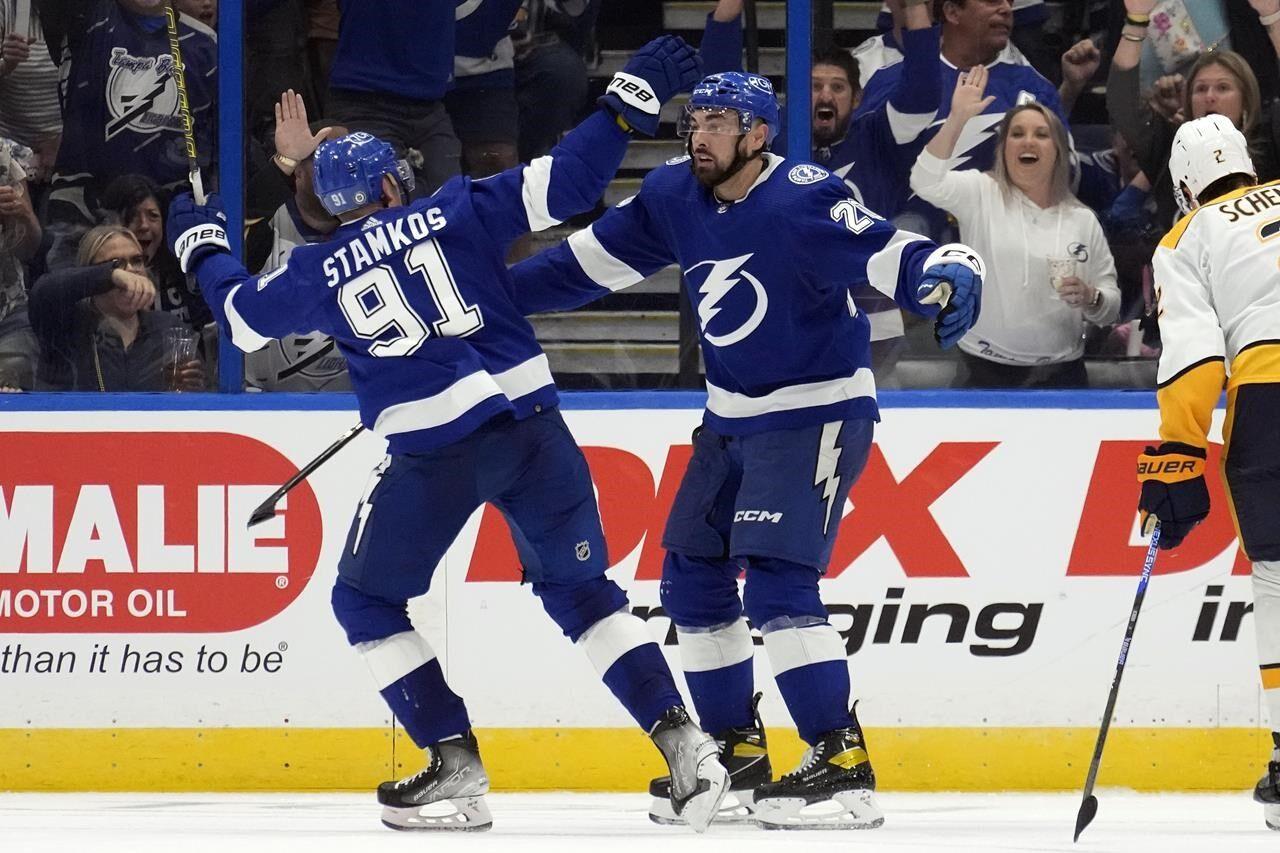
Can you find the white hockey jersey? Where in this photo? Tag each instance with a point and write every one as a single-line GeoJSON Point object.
{"type": "Point", "coordinates": [1217, 278]}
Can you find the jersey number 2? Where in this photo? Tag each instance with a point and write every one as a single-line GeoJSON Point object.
{"type": "Point", "coordinates": [375, 304]}
{"type": "Point", "coordinates": [855, 217]}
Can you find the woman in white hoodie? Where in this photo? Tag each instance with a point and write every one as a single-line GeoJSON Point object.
{"type": "Point", "coordinates": [1019, 217]}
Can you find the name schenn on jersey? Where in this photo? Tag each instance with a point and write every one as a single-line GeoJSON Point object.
{"type": "Point", "coordinates": [381, 241]}
{"type": "Point", "coordinates": [1250, 204]}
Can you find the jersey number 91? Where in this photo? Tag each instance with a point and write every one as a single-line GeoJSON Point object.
{"type": "Point", "coordinates": [377, 310]}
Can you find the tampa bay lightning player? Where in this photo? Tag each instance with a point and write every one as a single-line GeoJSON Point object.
{"type": "Point", "coordinates": [446, 368]}
{"type": "Point", "coordinates": [767, 247]}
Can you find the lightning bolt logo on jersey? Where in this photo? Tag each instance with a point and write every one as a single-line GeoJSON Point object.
{"type": "Point", "coordinates": [120, 98]}
{"type": "Point", "coordinates": [743, 308]}
{"type": "Point", "coordinates": [769, 278]}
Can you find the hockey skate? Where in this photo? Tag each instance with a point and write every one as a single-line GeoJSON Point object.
{"type": "Point", "coordinates": [833, 788]}
{"type": "Point", "coordinates": [698, 781]}
{"type": "Point", "coordinates": [1267, 791]}
{"type": "Point", "coordinates": [744, 754]}
{"type": "Point", "coordinates": [448, 795]}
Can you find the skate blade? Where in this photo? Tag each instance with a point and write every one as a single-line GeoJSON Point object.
{"type": "Point", "coordinates": [738, 807]}
{"type": "Point", "coordinates": [1271, 814]}
{"type": "Point", "coordinates": [465, 814]}
{"type": "Point", "coordinates": [700, 809]}
{"type": "Point", "coordinates": [845, 810]}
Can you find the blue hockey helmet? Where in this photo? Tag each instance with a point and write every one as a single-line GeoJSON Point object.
{"type": "Point", "coordinates": [750, 95]}
{"type": "Point", "coordinates": [348, 171]}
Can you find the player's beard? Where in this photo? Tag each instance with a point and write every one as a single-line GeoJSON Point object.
{"type": "Point", "coordinates": [715, 177]}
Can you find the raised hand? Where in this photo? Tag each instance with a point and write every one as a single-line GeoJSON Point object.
{"type": "Point", "coordinates": [967, 100]}
{"type": "Point", "coordinates": [654, 73]}
{"type": "Point", "coordinates": [293, 135]}
{"type": "Point", "coordinates": [1167, 97]}
{"type": "Point", "coordinates": [1081, 62]}
{"type": "Point", "coordinates": [194, 230]}
{"type": "Point", "coordinates": [1141, 7]}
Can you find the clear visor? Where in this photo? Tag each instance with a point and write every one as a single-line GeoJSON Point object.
{"type": "Point", "coordinates": [723, 121]}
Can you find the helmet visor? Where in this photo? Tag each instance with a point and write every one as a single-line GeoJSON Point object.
{"type": "Point", "coordinates": [725, 121]}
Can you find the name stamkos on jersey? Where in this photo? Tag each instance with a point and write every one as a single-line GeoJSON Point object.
{"type": "Point", "coordinates": [807, 173]}
{"type": "Point", "coordinates": [384, 240]}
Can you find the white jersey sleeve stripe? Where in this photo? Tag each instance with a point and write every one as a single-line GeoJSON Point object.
{"type": "Point", "coordinates": [907, 126]}
{"type": "Point", "coordinates": [791, 648]}
{"type": "Point", "coordinates": [600, 266]}
{"type": "Point", "coordinates": [730, 404]}
{"type": "Point", "coordinates": [611, 638]}
{"type": "Point", "coordinates": [705, 649]}
{"type": "Point", "coordinates": [537, 184]}
{"type": "Point", "coordinates": [525, 378]}
{"type": "Point", "coordinates": [395, 657]}
{"type": "Point", "coordinates": [884, 266]}
{"type": "Point", "coordinates": [241, 335]}
{"type": "Point", "coordinates": [462, 396]}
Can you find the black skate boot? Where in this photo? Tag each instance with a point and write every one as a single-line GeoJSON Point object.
{"type": "Point", "coordinates": [833, 788]}
{"type": "Point", "coordinates": [447, 795]}
{"type": "Point", "coordinates": [699, 781]}
{"type": "Point", "coordinates": [1267, 791]}
{"type": "Point", "coordinates": [744, 754]}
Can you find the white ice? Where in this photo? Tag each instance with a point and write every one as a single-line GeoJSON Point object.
{"type": "Point", "coordinates": [617, 823]}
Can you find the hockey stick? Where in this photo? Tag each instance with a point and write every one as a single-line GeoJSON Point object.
{"type": "Point", "coordinates": [1089, 806]}
{"type": "Point", "coordinates": [267, 509]}
{"type": "Point", "coordinates": [184, 107]}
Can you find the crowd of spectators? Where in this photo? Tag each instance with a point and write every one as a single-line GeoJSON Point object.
{"type": "Point", "coordinates": [1041, 142]}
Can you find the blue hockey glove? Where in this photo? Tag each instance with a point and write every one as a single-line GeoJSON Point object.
{"type": "Point", "coordinates": [654, 73]}
{"type": "Point", "coordinates": [196, 229]}
{"type": "Point", "coordinates": [1173, 490]}
{"type": "Point", "coordinates": [953, 279]}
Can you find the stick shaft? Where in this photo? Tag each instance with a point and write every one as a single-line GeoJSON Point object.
{"type": "Point", "coordinates": [1147, 566]}
{"type": "Point", "coordinates": [184, 105]}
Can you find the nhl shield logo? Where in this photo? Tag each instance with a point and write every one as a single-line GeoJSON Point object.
{"type": "Point", "coordinates": [583, 551]}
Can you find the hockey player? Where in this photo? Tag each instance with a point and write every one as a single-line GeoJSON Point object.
{"type": "Point", "coordinates": [767, 247]}
{"type": "Point", "coordinates": [449, 372]}
{"type": "Point", "coordinates": [1219, 304]}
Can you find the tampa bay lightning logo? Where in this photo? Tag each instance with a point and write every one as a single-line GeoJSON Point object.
{"type": "Point", "coordinates": [733, 302]}
{"type": "Point", "coordinates": [761, 83]}
{"type": "Point", "coordinates": [806, 173]}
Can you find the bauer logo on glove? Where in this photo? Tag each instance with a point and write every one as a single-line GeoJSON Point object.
{"type": "Point", "coordinates": [1173, 491]}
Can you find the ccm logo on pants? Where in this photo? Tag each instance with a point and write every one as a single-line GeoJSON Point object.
{"type": "Point", "coordinates": [757, 515]}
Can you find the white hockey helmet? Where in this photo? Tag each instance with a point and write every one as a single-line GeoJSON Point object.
{"type": "Point", "coordinates": [1206, 150]}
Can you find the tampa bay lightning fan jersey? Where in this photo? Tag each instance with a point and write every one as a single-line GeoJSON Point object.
{"type": "Point", "coordinates": [418, 298]}
{"type": "Point", "coordinates": [1012, 81]}
{"type": "Point", "coordinates": [768, 276]}
{"type": "Point", "coordinates": [120, 99]}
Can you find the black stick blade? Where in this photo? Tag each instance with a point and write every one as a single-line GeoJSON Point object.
{"type": "Point", "coordinates": [264, 512]}
{"type": "Point", "coordinates": [1088, 811]}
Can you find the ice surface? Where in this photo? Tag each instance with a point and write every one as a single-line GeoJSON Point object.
{"type": "Point", "coordinates": [617, 823]}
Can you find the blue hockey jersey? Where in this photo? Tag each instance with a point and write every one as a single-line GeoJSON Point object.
{"type": "Point", "coordinates": [875, 156]}
{"type": "Point", "coordinates": [120, 100]}
{"type": "Point", "coordinates": [484, 56]}
{"type": "Point", "coordinates": [419, 299]}
{"type": "Point", "coordinates": [768, 276]}
{"type": "Point", "coordinates": [396, 47]}
{"type": "Point", "coordinates": [1011, 83]}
